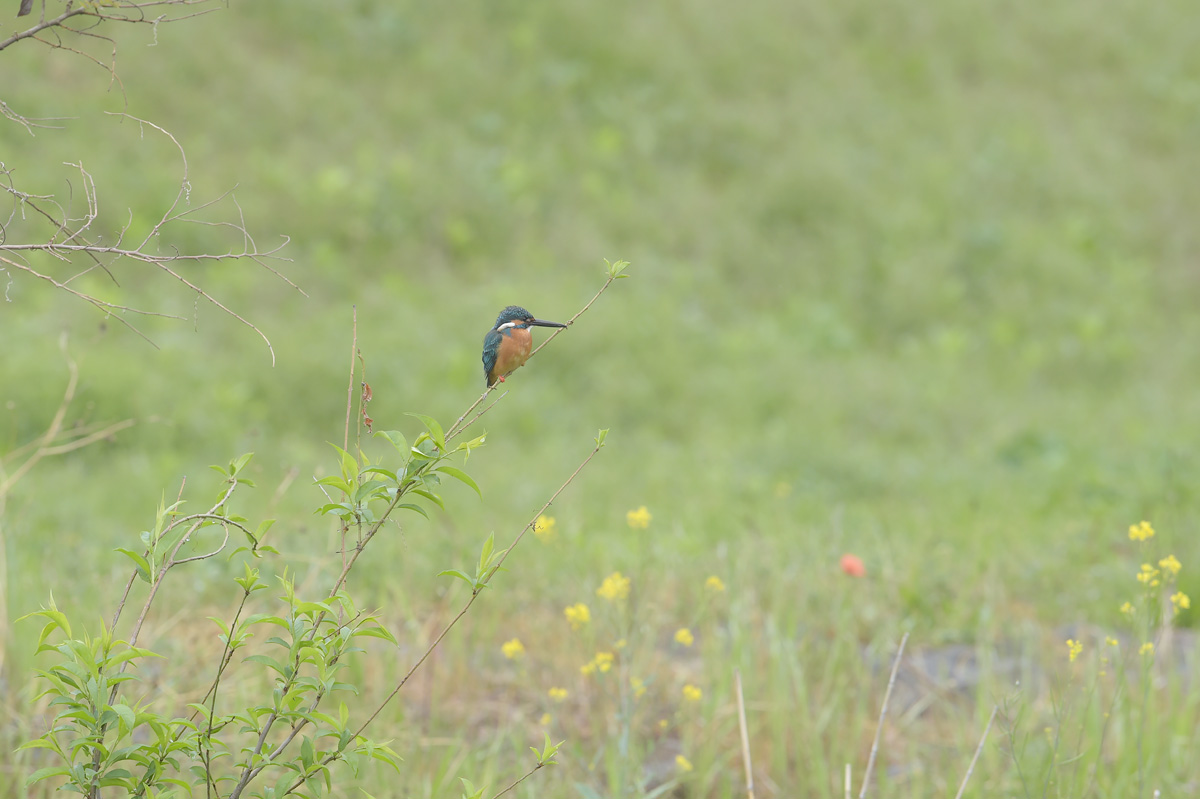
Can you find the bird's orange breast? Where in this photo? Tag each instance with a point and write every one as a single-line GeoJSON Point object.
{"type": "Point", "coordinates": [514, 350]}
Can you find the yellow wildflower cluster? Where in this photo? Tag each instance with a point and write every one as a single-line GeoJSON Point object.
{"type": "Point", "coordinates": [557, 694]}
{"type": "Point", "coordinates": [1148, 575]}
{"type": "Point", "coordinates": [714, 584]}
{"type": "Point", "coordinates": [684, 636]}
{"type": "Point", "coordinates": [602, 662]}
{"type": "Point", "coordinates": [691, 693]}
{"type": "Point", "coordinates": [1127, 608]}
{"type": "Point", "coordinates": [1073, 648]}
{"type": "Point", "coordinates": [577, 615]}
{"type": "Point", "coordinates": [1141, 532]}
{"type": "Point", "coordinates": [1181, 601]}
{"type": "Point", "coordinates": [513, 649]}
{"type": "Point", "coordinates": [1170, 564]}
{"type": "Point", "coordinates": [638, 519]}
{"type": "Point", "coordinates": [682, 763]}
{"type": "Point", "coordinates": [543, 528]}
{"type": "Point", "coordinates": [614, 587]}
{"type": "Point", "coordinates": [1147, 649]}
{"type": "Point", "coordinates": [638, 686]}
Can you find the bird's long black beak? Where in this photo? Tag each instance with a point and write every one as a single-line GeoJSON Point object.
{"type": "Point", "coordinates": [544, 323]}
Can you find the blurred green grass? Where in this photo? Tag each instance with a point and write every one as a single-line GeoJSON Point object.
{"type": "Point", "coordinates": [916, 282]}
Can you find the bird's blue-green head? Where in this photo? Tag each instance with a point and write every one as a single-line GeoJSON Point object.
{"type": "Point", "coordinates": [516, 317]}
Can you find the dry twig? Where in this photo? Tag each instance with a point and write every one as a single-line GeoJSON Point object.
{"type": "Point", "coordinates": [887, 696]}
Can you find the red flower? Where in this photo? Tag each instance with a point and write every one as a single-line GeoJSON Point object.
{"type": "Point", "coordinates": [853, 565]}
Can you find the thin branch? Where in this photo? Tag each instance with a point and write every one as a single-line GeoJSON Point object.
{"type": "Point", "coordinates": [349, 407]}
{"type": "Point", "coordinates": [882, 713]}
{"type": "Point", "coordinates": [741, 704]}
{"type": "Point", "coordinates": [536, 768]}
{"type": "Point", "coordinates": [350, 384]}
{"type": "Point", "coordinates": [71, 238]}
{"type": "Point", "coordinates": [978, 749]}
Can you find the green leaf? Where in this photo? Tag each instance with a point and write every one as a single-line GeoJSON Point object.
{"type": "Point", "coordinates": [466, 578]}
{"type": "Point", "coordinates": [469, 790]}
{"type": "Point", "coordinates": [600, 436]}
{"type": "Point", "coordinates": [239, 464]}
{"type": "Point", "coordinates": [461, 476]}
{"type": "Point", "coordinates": [44, 773]}
{"type": "Point", "coordinates": [396, 439]}
{"type": "Point", "coordinates": [376, 632]}
{"type": "Point", "coordinates": [432, 497]}
{"type": "Point", "coordinates": [132, 653]}
{"type": "Point", "coordinates": [435, 430]}
{"type": "Point", "coordinates": [139, 561]}
{"type": "Point", "coordinates": [414, 508]}
{"type": "Point", "coordinates": [266, 660]}
{"type": "Point", "coordinates": [372, 489]}
{"type": "Point", "coordinates": [306, 752]}
{"type": "Point", "coordinates": [485, 553]}
{"type": "Point", "coordinates": [616, 269]}
{"type": "Point", "coordinates": [260, 532]}
{"type": "Point", "coordinates": [343, 509]}
{"type": "Point", "coordinates": [126, 714]}
{"type": "Point", "coordinates": [335, 482]}
{"type": "Point", "coordinates": [467, 446]}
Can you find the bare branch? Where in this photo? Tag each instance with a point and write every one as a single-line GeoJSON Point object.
{"type": "Point", "coordinates": [70, 237]}
{"type": "Point", "coordinates": [887, 696]}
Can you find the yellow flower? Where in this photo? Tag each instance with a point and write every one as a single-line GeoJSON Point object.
{"type": "Point", "coordinates": [1147, 649]}
{"type": "Point", "coordinates": [543, 528]}
{"type": "Point", "coordinates": [546, 719]}
{"type": "Point", "coordinates": [1111, 641]}
{"type": "Point", "coordinates": [691, 693]}
{"type": "Point", "coordinates": [1148, 575]}
{"type": "Point", "coordinates": [578, 615]}
{"type": "Point", "coordinates": [1141, 532]}
{"type": "Point", "coordinates": [614, 587]}
{"type": "Point", "coordinates": [557, 694]}
{"type": "Point", "coordinates": [638, 519]}
{"type": "Point", "coordinates": [684, 636]}
{"type": "Point", "coordinates": [620, 643]}
{"type": "Point", "coordinates": [682, 763]}
{"type": "Point", "coordinates": [638, 686]}
{"type": "Point", "coordinates": [1170, 564]}
{"type": "Point", "coordinates": [714, 584]}
{"type": "Point", "coordinates": [1181, 601]}
{"type": "Point", "coordinates": [602, 662]}
{"type": "Point", "coordinates": [1073, 649]}
{"type": "Point", "coordinates": [513, 649]}
{"type": "Point", "coordinates": [1127, 609]}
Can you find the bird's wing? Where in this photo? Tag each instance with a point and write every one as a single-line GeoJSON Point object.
{"type": "Point", "coordinates": [491, 350]}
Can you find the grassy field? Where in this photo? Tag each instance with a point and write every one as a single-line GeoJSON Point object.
{"type": "Point", "coordinates": [916, 283]}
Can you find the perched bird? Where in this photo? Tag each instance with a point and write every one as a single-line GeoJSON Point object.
{"type": "Point", "coordinates": [507, 345]}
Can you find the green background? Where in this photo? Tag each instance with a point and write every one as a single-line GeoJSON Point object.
{"type": "Point", "coordinates": [916, 281]}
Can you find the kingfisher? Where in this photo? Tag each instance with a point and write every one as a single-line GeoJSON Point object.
{"type": "Point", "coordinates": [507, 345]}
